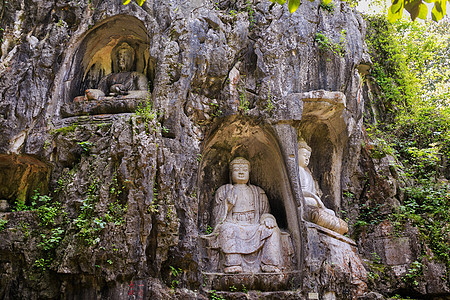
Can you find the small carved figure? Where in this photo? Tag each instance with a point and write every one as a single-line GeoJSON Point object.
{"type": "Point", "coordinates": [123, 80]}
{"type": "Point", "coordinates": [316, 210]}
{"type": "Point", "coordinates": [246, 233]}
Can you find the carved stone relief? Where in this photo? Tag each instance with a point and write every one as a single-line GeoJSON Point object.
{"type": "Point", "coordinates": [246, 234]}
{"type": "Point", "coordinates": [123, 80]}
{"type": "Point", "coordinates": [249, 226]}
{"type": "Point", "coordinates": [111, 71]}
{"type": "Point", "coordinates": [315, 209]}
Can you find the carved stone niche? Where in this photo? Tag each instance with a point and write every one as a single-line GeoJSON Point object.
{"type": "Point", "coordinates": [20, 176]}
{"type": "Point", "coordinates": [257, 144]}
{"type": "Point", "coordinates": [111, 71]}
{"type": "Point", "coordinates": [324, 127]}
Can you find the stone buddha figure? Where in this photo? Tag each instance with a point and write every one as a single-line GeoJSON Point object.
{"type": "Point", "coordinates": [246, 234]}
{"type": "Point", "coordinates": [316, 210]}
{"type": "Point", "coordinates": [123, 80]}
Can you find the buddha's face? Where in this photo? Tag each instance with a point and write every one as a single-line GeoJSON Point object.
{"type": "Point", "coordinates": [240, 173]}
{"type": "Point", "coordinates": [303, 157]}
{"type": "Point", "coordinates": [124, 60]}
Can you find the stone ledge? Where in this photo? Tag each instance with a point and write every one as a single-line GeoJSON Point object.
{"type": "Point", "coordinates": [251, 295]}
{"type": "Point", "coordinates": [107, 105]}
{"type": "Point", "coordinates": [95, 119]}
{"type": "Point", "coordinates": [330, 233]}
{"type": "Point", "coordinates": [252, 281]}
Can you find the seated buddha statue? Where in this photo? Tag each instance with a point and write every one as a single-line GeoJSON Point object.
{"type": "Point", "coordinates": [315, 209]}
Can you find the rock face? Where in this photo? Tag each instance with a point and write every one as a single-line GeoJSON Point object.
{"type": "Point", "coordinates": [131, 179]}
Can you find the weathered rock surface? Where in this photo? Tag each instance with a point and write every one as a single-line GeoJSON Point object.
{"type": "Point", "coordinates": [135, 180]}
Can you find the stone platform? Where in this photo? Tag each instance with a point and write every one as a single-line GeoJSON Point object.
{"type": "Point", "coordinates": [108, 105]}
{"type": "Point", "coordinates": [259, 295]}
{"type": "Point", "coordinates": [252, 281]}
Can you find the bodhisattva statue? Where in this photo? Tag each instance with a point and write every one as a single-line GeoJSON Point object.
{"type": "Point", "coordinates": [246, 235]}
{"type": "Point", "coordinates": [316, 210]}
{"type": "Point", "coordinates": [123, 80]}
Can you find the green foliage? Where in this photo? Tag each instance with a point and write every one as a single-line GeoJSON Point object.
{"type": "Point", "coordinates": [64, 179]}
{"type": "Point", "coordinates": [213, 296]}
{"type": "Point", "coordinates": [244, 289]}
{"type": "Point", "coordinates": [175, 274]}
{"type": "Point", "coordinates": [368, 215]}
{"type": "Point", "coordinates": [47, 210]}
{"type": "Point", "coordinates": [416, 9]}
{"type": "Point", "coordinates": [87, 226]}
{"type": "Point", "coordinates": [329, 7]}
{"type": "Point", "coordinates": [244, 104]}
{"type": "Point", "coordinates": [269, 105]}
{"type": "Point", "coordinates": [373, 275]}
{"type": "Point", "coordinates": [293, 5]}
{"type": "Point", "coordinates": [379, 147]}
{"type": "Point", "coordinates": [139, 2]}
{"type": "Point", "coordinates": [426, 206]}
{"type": "Point", "coordinates": [327, 45]}
{"type": "Point", "coordinates": [86, 146]}
{"type": "Point", "coordinates": [410, 66]}
{"type": "Point", "coordinates": [115, 188]}
{"type": "Point", "coordinates": [65, 130]}
{"type": "Point", "coordinates": [376, 258]}
{"type": "Point", "coordinates": [21, 206]}
{"type": "Point", "coordinates": [46, 144]}
{"type": "Point", "coordinates": [414, 272]}
{"type": "Point", "coordinates": [42, 263]}
{"type": "Point", "coordinates": [216, 112]}
{"type": "Point", "coordinates": [50, 214]}
{"type": "Point", "coordinates": [3, 223]}
{"type": "Point", "coordinates": [149, 116]}
{"type": "Point", "coordinates": [116, 213]}
{"type": "Point", "coordinates": [52, 240]}
{"type": "Point", "coordinates": [251, 13]}
{"type": "Point", "coordinates": [390, 70]}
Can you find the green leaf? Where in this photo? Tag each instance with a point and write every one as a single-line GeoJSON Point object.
{"type": "Point", "coordinates": [438, 10]}
{"type": "Point", "coordinates": [326, 2]}
{"type": "Point", "coordinates": [395, 12]}
{"type": "Point", "coordinates": [140, 2]}
{"type": "Point", "coordinates": [125, 2]}
{"type": "Point", "coordinates": [423, 11]}
{"type": "Point", "coordinates": [281, 1]}
{"type": "Point", "coordinates": [293, 5]}
{"type": "Point", "coordinates": [397, 6]}
{"type": "Point", "coordinates": [413, 8]}
{"type": "Point", "coordinates": [392, 17]}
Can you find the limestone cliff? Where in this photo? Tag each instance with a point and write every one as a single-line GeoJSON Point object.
{"type": "Point", "coordinates": [125, 185]}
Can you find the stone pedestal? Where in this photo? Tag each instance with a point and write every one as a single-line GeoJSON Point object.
{"type": "Point", "coordinates": [264, 282]}
{"type": "Point", "coordinates": [108, 105]}
{"type": "Point", "coordinates": [332, 263]}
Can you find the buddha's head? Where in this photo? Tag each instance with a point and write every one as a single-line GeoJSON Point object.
{"type": "Point", "coordinates": [240, 170]}
{"type": "Point", "coordinates": [304, 153]}
{"type": "Point", "coordinates": [125, 57]}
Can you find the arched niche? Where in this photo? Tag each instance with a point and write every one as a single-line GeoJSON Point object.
{"type": "Point", "coordinates": [92, 60]}
{"type": "Point", "coordinates": [257, 143]}
{"type": "Point", "coordinates": [21, 176]}
{"type": "Point", "coordinates": [324, 130]}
